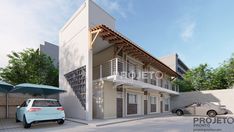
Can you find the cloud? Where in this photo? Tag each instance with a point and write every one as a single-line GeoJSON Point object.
{"type": "Point", "coordinates": [115, 6]}
{"type": "Point", "coordinates": [26, 24]}
{"type": "Point", "coordinates": [187, 24]}
{"type": "Point", "coordinates": [187, 31]}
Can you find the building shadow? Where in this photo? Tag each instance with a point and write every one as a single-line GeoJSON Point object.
{"type": "Point", "coordinates": [186, 98]}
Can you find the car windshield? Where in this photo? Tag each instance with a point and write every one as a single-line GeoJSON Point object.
{"type": "Point", "coordinates": [46, 103]}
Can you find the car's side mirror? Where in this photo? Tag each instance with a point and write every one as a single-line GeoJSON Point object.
{"type": "Point", "coordinates": [18, 107]}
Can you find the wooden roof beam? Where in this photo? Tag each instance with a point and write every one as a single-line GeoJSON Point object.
{"type": "Point", "coordinates": [110, 37]}
{"type": "Point", "coordinates": [116, 41]}
{"type": "Point", "coordinates": [104, 33]}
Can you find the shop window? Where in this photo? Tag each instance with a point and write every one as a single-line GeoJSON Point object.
{"type": "Point", "coordinates": [167, 101]}
{"type": "Point", "coordinates": [132, 98]}
{"type": "Point", "coordinates": [153, 104]}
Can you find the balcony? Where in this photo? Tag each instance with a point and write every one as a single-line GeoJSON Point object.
{"type": "Point", "coordinates": [117, 69]}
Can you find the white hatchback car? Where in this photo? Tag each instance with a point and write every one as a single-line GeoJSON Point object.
{"type": "Point", "coordinates": [40, 110]}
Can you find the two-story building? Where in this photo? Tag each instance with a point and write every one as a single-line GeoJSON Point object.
{"type": "Point", "coordinates": [106, 75]}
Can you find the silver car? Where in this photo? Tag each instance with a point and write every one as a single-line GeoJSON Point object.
{"type": "Point", "coordinates": [209, 109]}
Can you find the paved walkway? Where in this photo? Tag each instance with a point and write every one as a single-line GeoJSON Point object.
{"type": "Point", "coordinates": [101, 122]}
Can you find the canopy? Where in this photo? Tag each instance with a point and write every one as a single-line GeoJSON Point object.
{"type": "Point", "coordinates": [5, 87]}
{"type": "Point", "coordinates": [124, 44]}
{"type": "Point", "coordinates": [36, 89]}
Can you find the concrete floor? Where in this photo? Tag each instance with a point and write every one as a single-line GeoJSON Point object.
{"type": "Point", "coordinates": [157, 124]}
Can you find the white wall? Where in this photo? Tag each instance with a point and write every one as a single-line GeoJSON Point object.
{"type": "Point", "coordinates": [224, 97]}
{"type": "Point", "coordinates": [98, 99]}
{"type": "Point", "coordinates": [99, 16]}
{"type": "Point", "coordinates": [73, 40]}
{"type": "Point", "coordinates": [76, 52]}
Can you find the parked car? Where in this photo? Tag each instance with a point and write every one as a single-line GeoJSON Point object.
{"type": "Point", "coordinates": [40, 110]}
{"type": "Point", "coordinates": [209, 109]}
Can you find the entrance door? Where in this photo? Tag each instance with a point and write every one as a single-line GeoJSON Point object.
{"type": "Point", "coordinates": [145, 107]}
{"type": "Point", "coordinates": [161, 106]}
{"type": "Point", "coordinates": [119, 107]}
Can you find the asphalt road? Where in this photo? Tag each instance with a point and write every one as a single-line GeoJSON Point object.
{"type": "Point", "coordinates": [158, 124]}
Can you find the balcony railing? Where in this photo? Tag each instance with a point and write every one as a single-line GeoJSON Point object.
{"type": "Point", "coordinates": [119, 67]}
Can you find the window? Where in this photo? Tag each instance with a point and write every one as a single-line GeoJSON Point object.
{"type": "Point", "coordinates": [153, 104]}
{"type": "Point", "coordinates": [166, 84]}
{"type": "Point", "coordinates": [24, 104]}
{"type": "Point", "coordinates": [167, 101]}
{"type": "Point", "coordinates": [153, 100]}
{"type": "Point", "coordinates": [161, 82]}
{"type": "Point", "coordinates": [132, 98]}
{"type": "Point", "coordinates": [46, 103]}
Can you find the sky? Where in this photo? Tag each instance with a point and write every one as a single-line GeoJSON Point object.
{"type": "Point", "coordinates": [199, 31]}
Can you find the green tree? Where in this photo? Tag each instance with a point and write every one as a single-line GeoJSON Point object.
{"type": "Point", "coordinates": [30, 66]}
{"type": "Point", "coordinates": [200, 77]}
{"type": "Point", "coordinates": [219, 78]}
{"type": "Point", "coordinates": [184, 85]}
{"type": "Point", "coordinates": [205, 78]}
{"type": "Point", "coordinates": [229, 65]}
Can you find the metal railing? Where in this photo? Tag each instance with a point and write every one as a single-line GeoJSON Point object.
{"type": "Point", "coordinates": [122, 68]}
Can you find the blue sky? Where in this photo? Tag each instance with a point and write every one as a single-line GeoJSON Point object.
{"type": "Point", "coordinates": [200, 31]}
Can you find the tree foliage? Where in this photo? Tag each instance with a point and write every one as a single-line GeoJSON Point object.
{"type": "Point", "coordinates": [204, 77]}
{"type": "Point", "coordinates": [30, 66]}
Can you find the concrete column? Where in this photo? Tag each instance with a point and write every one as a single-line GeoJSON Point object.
{"type": "Point", "coordinates": [89, 88]}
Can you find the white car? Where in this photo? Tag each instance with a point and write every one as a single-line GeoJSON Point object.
{"type": "Point", "coordinates": [40, 110]}
{"type": "Point", "coordinates": [198, 108]}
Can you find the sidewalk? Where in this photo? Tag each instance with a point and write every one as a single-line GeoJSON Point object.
{"type": "Point", "coordinates": [104, 122]}
{"type": "Point", "coordinates": [9, 124]}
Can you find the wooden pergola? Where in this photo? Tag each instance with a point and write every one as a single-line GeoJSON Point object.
{"type": "Point", "coordinates": [125, 45]}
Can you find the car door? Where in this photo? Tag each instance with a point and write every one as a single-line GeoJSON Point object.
{"type": "Point", "coordinates": [21, 110]}
{"type": "Point", "coordinates": [190, 109]}
{"type": "Point", "coordinates": [200, 109]}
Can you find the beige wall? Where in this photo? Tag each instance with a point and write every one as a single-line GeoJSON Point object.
{"type": "Point", "coordinates": [224, 97]}
{"type": "Point", "coordinates": [110, 95]}
{"type": "Point", "coordinates": [170, 61]}
{"type": "Point", "coordinates": [104, 100]}
{"type": "Point", "coordinates": [103, 56]}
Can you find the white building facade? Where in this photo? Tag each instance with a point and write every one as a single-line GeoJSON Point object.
{"type": "Point", "coordinates": [93, 56]}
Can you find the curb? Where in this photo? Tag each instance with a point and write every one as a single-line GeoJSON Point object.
{"type": "Point", "coordinates": [117, 122]}
{"type": "Point", "coordinates": [77, 121]}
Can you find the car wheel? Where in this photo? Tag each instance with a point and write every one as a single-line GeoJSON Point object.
{"type": "Point", "coordinates": [211, 113]}
{"type": "Point", "coordinates": [179, 112]}
{"type": "Point", "coordinates": [26, 125]}
{"type": "Point", "coordinates": [16, 118]}
{"type": "Point", "coordinates": [60, 122]}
